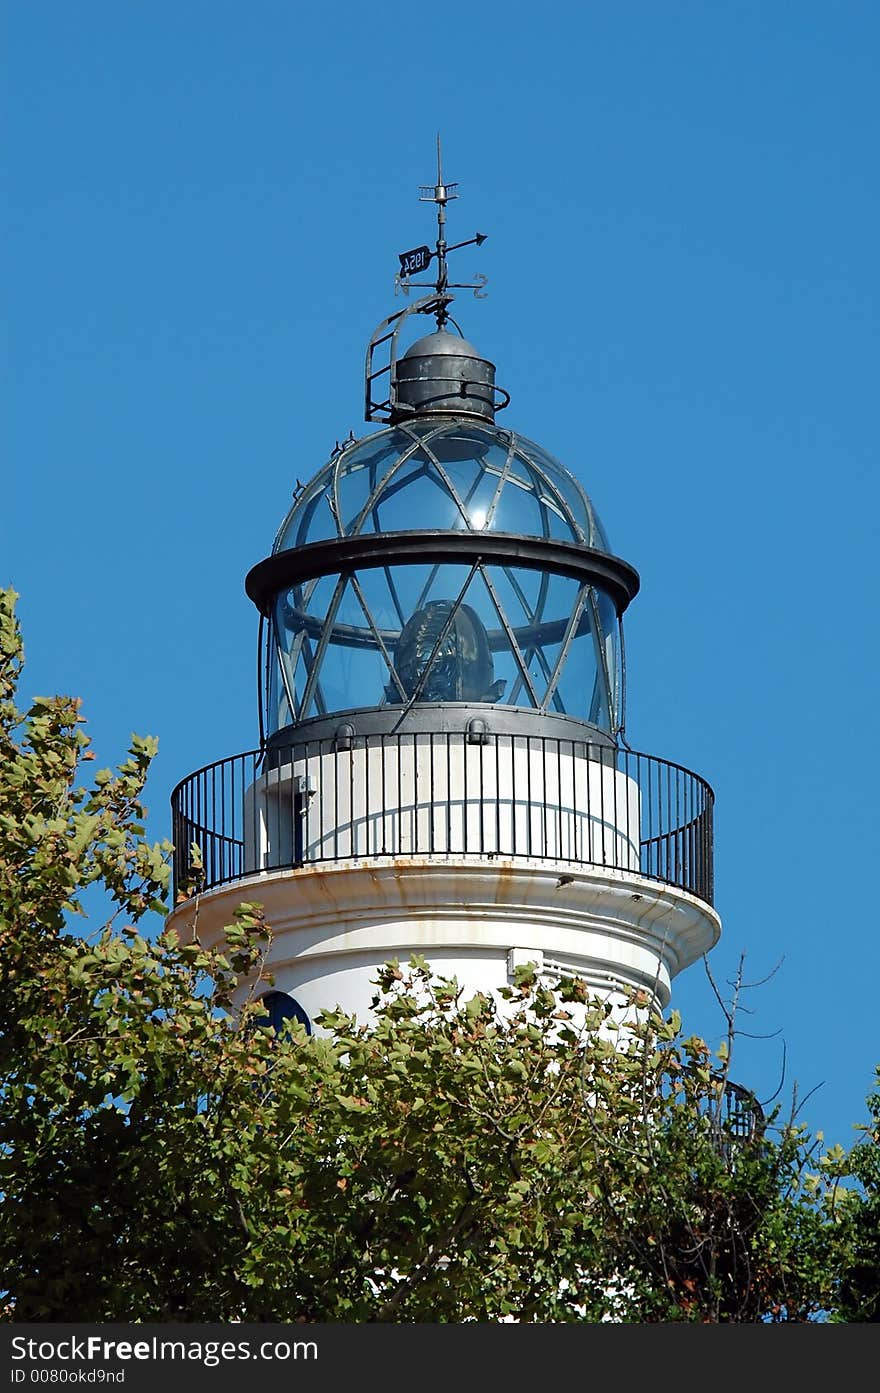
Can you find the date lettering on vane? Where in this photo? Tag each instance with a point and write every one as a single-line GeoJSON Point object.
{"type": "Point", "coordinates": [413, 261]}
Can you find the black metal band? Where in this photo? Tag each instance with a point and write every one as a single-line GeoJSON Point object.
{"type": "Point", "coordinates": [441, 718]}
{"type": "Point", "coordinates": [366, 551]}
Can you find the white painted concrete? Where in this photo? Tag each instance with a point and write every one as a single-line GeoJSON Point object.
{"type": "Point", "coordinates": [336, 922]}
{"type": "Point", "coordinates": [507, 798]}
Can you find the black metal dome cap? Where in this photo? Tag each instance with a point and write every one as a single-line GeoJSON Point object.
{"type": "Point", "coordinates": [443, 374]}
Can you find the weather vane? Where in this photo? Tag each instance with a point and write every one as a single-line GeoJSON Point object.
{"type": "Point", "coordinates": [419, 258]}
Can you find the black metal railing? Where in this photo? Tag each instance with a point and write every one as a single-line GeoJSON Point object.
{"type": "Point", "coordinates": [443, 794]}
{"type": "Point", "coordinates": [737, 1119]}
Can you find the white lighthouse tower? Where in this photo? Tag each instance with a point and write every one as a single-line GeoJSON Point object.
{"type": "Point", "coordinates": [442, 768]}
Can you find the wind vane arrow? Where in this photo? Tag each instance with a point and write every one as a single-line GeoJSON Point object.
{"type": "Point", "coordinates": [478, 240]}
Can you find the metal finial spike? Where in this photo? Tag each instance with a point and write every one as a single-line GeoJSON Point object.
{"type": "Point", "coordinates": [441, 196]}
{"type": "Point", "coordinates": [438, 193]}
{"type": "Point", "coordinates": [419, 258]}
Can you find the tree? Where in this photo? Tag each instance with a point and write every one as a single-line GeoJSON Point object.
{"type": "Point", "coordinates": [164, 1157]}
{"type": "Point", "coordinates": [858, 1293]}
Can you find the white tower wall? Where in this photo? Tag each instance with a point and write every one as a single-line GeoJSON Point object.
{"type": "Point", "coordinates": [442, 795]}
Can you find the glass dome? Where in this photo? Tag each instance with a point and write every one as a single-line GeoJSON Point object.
{"type": "Point", "coordinates": [452, 474]}
{"type": "Point", "coordinates": [442, 562]}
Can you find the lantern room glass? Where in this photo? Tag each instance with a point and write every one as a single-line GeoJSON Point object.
{"type": "Point", "coordinates": [468, 632]}
{"type": "Point", "coordinates": [397, 635]}
{"type": "Point", "coordinates": [449, 475]}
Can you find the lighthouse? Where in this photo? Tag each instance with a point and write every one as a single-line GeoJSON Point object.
{"type": "Point", "coordinates": [442, 766]}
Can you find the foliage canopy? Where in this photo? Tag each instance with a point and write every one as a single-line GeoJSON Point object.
{"type": "Point", "coordinates": [166, 1157]}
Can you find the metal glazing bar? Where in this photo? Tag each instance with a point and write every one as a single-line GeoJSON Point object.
{"type": "Point", "coordinates": [332, 611]}
{"type": "Point", "coordinates": [426, 588]}
{"type": "Point", "coordinates": [449, 484]}
{"type": "Point", "coordinates": [533, 616]}
{"type": "Point", "coordinates": [356, 587]}
{"type": "Point", "coordinates": [441, 638]}
{"type": "Point", "coordinates": [567, 640]}
{"type": "Point", "coordinates": [502, 480]}
{"type": "Point", "coordinates": [537, 478]}
{"type": "Point", "coordinates": [514, 646]}
{"type": "Point", "coordinates": [389, 474]}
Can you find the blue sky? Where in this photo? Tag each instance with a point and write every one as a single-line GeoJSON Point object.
{"type": "Point", "coordinates": [202, 207]}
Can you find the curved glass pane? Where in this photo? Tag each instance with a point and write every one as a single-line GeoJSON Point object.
{"type": "Point", "coordinates": [609, 626]}
{"type": "Point", "coordinates": [395, 635]}
{"type": "Point", "coordinates": [448, 475]}
{"type": "Point", "coordinates": [560, 497]}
